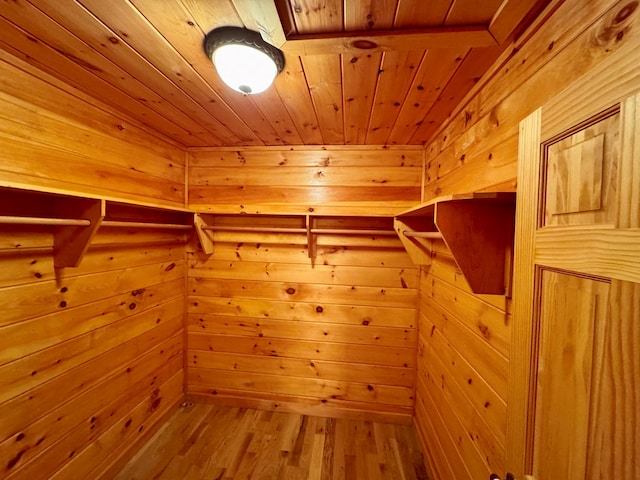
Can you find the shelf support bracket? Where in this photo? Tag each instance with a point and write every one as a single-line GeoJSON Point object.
{"type": "Point", "coordinates": [204, 236]}
{"type": "Point", "coordinates": [312, 246]}
{"type": "Point", "coordinates": [479, 235]}
{"type": "Point", "coordinates": [70, 243]}
{"type": "Point", "coordinates": [418, 247]}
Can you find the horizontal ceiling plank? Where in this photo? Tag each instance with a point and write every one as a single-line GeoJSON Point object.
{"type": "Point", "coordinates": [398, 71]}
{"type": "Point", "coordinates": [434, 73]}
{"type": "Point", "coordinates": [204, 17]}
{"type": "Point", "coordinates": [261, 17]}
{"type": "Point", "coordinates": [21, 44]}
{"type": "Point", "coordinates": [508, 17]}
{"type": "Point", "coordinates": [133, 24]}
{"type": "Point", "coordinates": [292, 87]}
{"type": "Point", "coordinates": [412, 14]}
{"type": "Point", "coordinates": [324, 78]}
{"type": "Point", "coordinates": [311, 16]}
{"type": "Point", "coordinates": [468, 74]}
{"type": "Point", "coordinates": [167, 98]}
{"type": "Point", "coordinates": [388, 40]}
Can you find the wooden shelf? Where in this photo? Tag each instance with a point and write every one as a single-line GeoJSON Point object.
{"type": "Point", "coordinates": [75, 220]}
{"type": "Point", "coordinates": [478, 228]}
{"type": "Point", "coordinates": [309, 225]}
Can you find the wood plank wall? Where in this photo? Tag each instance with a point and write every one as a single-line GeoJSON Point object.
{"type": "Point", "coordinates": [464, 343]}
{"type": "Point", "coordinates": [269, 327]}
{"type": "Point", "coordinates": [55, 138]}
{"type": "Point", "coordinates": [91, 358]}
{"type": "Point", "coordinates": [358, 180]}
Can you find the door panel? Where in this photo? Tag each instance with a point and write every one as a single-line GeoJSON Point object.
{"type": "Point", "coordinates": [581, 176]}
{"type": "Point", "coordinates": [574, 386]}
{"type": "Point", "coordinates": [572, 315]}
{"type": "Point", "coordinates": [614, 434]}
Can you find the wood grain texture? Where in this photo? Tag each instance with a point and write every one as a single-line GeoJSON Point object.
{"type": "Point", "coordinates": [389, 40]}
{"type": "Point", "coordinates": [476, 149]}
{"type": "Point", "coordinates": [482, 137]}
{"type": "Point", "coordinates": [302, 180]}
{"type": "Point", "coordinates": [578, 295]}
{"type": "Point", "coordinates": [613, 445]}
{"type": "Point", "coordinates": [561, 248]}
{"type": "Point", "coordinates": [523, 359]}
{"type": "Point", "coordinates": [145, 58]}
{"type": "Point", "coordinates": [465, 382]}
{"type": "Point", "coordinates": [91, 358]}
{"type": "Point", "coordinates": [573, 317]}
{"type": "Point", "coordinates": [581, 174]}
{"type": "Point", "coordinates": [73, 146]}
{"type": "Point", "coordinates": [268, 325]}
{"type": "Point", "coordinates": [202, 441]}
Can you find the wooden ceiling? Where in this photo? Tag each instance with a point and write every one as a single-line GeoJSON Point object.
{"type": "Point", "coordinates": [145, 58]}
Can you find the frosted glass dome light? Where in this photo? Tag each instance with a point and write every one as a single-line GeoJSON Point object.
{"type": "Point", "coordinates": [244, 61]}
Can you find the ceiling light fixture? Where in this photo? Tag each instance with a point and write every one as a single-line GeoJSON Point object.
{"type": "Point", "coordinates": [244, 61]}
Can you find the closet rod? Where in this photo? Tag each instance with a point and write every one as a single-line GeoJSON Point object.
{"type": "Point", "coordinates": [9, 220]}
{"type": "Point", "coordinates": [432, 235]}
{"type": "Point", "coordinates": [348, 231]}
{"type": "Point", "coordinates": [68, 222]}
{"type": "Point", "coordinates": [315, 231]}
{"type": "Point", "coordinates": [166, 226]}
{"type": "Point", "coordinates": [217, 228]}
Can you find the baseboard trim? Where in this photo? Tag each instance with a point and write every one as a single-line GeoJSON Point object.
{"type": "Point", "coordinates": [303, 407]}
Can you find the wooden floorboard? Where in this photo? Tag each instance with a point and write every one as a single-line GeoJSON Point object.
{"type": "Point", "coordinates": [203, 441]}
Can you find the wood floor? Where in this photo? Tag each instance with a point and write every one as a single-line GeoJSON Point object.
{"type": "Point", "coordinates": [224, 443]}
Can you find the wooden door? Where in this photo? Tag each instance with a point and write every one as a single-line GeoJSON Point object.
{"type": "Point", "coordinates": [574, 404]}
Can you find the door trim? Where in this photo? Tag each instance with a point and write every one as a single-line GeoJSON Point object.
{"type": "Point", "coordinates": [521, 393]}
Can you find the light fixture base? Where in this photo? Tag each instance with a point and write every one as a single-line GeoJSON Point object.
{"type": "Point", "coordinates": [244, 61]}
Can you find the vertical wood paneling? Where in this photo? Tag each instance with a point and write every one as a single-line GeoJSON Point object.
{"type": "Point", "coordinates": [324, 76]}
{"type": "Point", "coordinates": [313, 16]}
{"type": "Point", "coordinates": [431, 77]}
{"type": "Point", "coordinates": [359, 79]}
{"type": "Point", "coordinates": [398, 71]}
{"type": "Point", "coordinates": [476, 150]}
{"type": "Point", "coordinates": [89, 355]}
{"type": "Point", "coordinates": [360, 73]}
{"type": "Point", "coordinates": [411, 14]}
{"type": "Point", "coordinates": [292, 87]}
{"type": "Point", "coordinates": [469, 12]}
